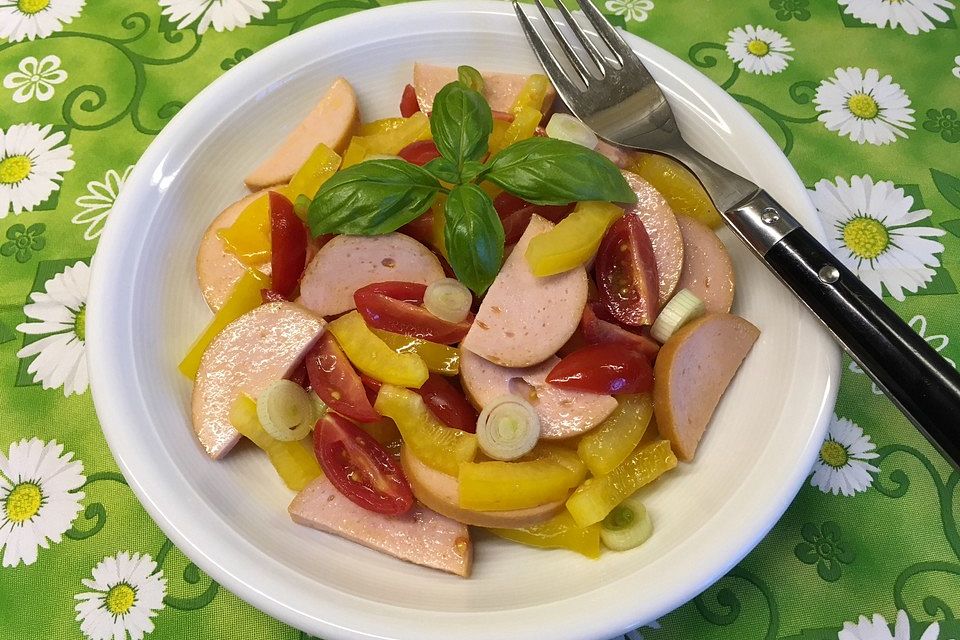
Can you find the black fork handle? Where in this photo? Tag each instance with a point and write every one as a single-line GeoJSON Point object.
{"type": "Point", "coordinates": [912, 374]}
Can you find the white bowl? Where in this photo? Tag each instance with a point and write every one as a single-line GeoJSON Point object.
{"type": "Point", "coordinates": [230, 517]}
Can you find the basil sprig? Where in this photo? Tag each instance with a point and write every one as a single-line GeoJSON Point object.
{"type": "Point", "coordinates": [379, 196]}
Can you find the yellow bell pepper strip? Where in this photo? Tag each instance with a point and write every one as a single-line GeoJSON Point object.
{"type": "Point", "coordinates": [524, 125]}
{"type": "Point", "coordinates": [357, 151]}
{"type": "Point", "coordinates": [563, 456]}
{"type": "Point", "coordinates": [610, 443]}
{"type": "Point", "coordinates": [373, 356]}
{"type": "Point", "coordinates": [296, 464]}
{"type": "Point", "coordinates": [559, 532]}
{"type": "Point", "coordinates": [439, 358]}
{"type": "Point", "coordinates": [437, 445]}
{"type": "Point", "coordinates": [248, 237]}
{"type": "Point", "coordinates": [495, 141]}
{"type": "Point", "coordinates": [573, 241]}
{"type": "Point", "coordinates": [683, 192]}
{"type": "Point", "coordinates": [413, 129]}
{"type": "Point", "coordinates": [386, 433]}
{"type": "Point", "coordinates": [532, 94]}
{"type": "Point", "coordinates": [502, 486]}
{"type": "Point", "coordinates": [384, 125]}
{"type": "Point", "coordinates": [319, 167]}
{"type": "Point", "coordinates": [597, 497]}
{"type": "Point", "coordinates": [245, 296]}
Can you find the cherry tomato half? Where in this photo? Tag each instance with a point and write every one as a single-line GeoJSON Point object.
{"type": "Point", "coordinates": [420, 152]}
{"type": "Point", "coordinates": [597, 330]}
{"type": "Point", "coordinates": [447, 403]}
{"type": "Point", "coordinates": [334, 379]}
{"type": "Point", "coordinates": [359, 467]}
{"type": "Point", "coordinates": [288, 245]}
{"type": "Point", "coordinates": [515, 214]}
{"type": "Point", "coordinates": [408, 102]}
{"type": "Point", "coordinates": [626, 272]}
{"type": "Point", "coordinates": [392, 306]}
{"type": "Point", "coordinates": [420, 228]}
{"type": "Point", "coordinates": [604, 368]}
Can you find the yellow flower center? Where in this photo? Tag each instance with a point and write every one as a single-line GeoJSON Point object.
{"type": "Point", "coordinates": [866, 237]}
{"type": "Point", "coordinates": [834, 454]}
{"type": "Point", "coordinates": [80, 323]}
{"type": "Point", "coordinates": [120, 599]}
{"type": "Point", "coordinates": [23, 502]}
{"type": "Point", "coordinates": [13, 169]}
{"type": "Point", "coordinates": [30, 7]}
{"type": "Point", "coordinates": [863, 106]}
{"type": "Point", "coordinates": [758, 48]}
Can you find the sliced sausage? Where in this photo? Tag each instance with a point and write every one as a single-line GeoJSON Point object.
{"type": "Point", "coordinates": [333, 121]}
{"type": "Point", "coordinates": [694, 368]}
{"type": "Point", "coordinates": [616, 155]}
{"type": "Point", "coordinates": [420, 536]}
{"type": "Point", "coordinates": [441, 492]}
{"type": "Point", "coordinates": [563, 413]}
{"type": "Point", "coordinates": [523, 319]}
{"type": "Point", "coordinates": [347, 263]}
{"type": "Point", "coordinates": [707, 269]}
{"type": "Point", "coordinates": [661, 225]}
{"type": "Point", "coordinates": [256, 349]}
{"type": "Point", "coordinates": [500, 89]}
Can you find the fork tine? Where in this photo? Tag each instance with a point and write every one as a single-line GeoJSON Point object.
{"type": "Point", "coordinates": [606, 31]}
{"type": "Point", "coordinates": [587, 43]}
{"type": "Point", "coordinates": [578, 65]}
{"type": "Point", "coordinates": [551, 65]}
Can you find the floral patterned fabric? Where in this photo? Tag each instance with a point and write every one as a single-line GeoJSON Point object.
{"type": "Point", "coordinates": [862, 95]}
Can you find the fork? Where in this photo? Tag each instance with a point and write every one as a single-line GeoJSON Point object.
{"type": "Point", "coordinates": [622, 103]}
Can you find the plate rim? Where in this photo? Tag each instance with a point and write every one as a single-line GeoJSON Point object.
{"type": "Point", "coordinates": [147, 172]}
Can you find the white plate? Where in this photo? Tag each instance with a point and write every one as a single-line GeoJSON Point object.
{"type": "Point", "coordinates": [230, 517]}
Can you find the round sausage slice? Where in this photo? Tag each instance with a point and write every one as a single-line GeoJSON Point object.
{"type": "Point", "coordinates": [563, 413]}
{"type": "Point", "coordinates": [348, 263]}
{"type": "Point", "coordinates": [707, 269]}
{"type": "Point", "coordinates": [661, 225]}
{"type": "Point", "coordinates": [255, 350]}
{"type": "Point", "coordinates": [500, 89]}
{"type": "Point", "coordinates": [441, 492]}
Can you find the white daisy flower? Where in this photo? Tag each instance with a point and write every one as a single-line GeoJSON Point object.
{"type": "Point", "coordinates": [39, 498]}
{"type": "Point", "coordinates": [631, 10]}
{"type": "Point", "coordinates": [863, 106]}
{"type": "Point", "coordinates": [878, 629]}
{"type": "Point", "coordinates": [220, 14]}
{"type": "Point", "coordinates": [758, 49]}
{"type": "Point", "coordinates": [869, 230]}
{"type": "Point", "coordinates": [29, 19]}
{"type": "Point", "coordinates": [60, 312]}
{"type": "Point", "coordinates": [913, 16]}
{"type": "Point", "coordinates": [956, 69]}
{"type": "Point", "coordinates": [841, 466]}
{"type": "Point", "coordinates": [127, 591]}
{"type": "Point", "coordinates": [35, 78]}
{"type": "Point", "coordinates": [919, 324]}
{"type": "Point", "coordinates": [98, 202]}
{"type": "Point", "coordinates": [31, 165]}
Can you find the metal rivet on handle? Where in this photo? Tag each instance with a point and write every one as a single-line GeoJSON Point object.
{"type": "Point", "coordinates": [828, 274]}
{"type": "Point", "coordinates": [769, 216]}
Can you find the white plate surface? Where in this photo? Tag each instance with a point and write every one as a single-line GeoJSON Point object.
{"type": "Point", "coordinates": [230, 517]}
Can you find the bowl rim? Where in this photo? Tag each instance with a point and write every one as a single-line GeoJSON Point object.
{"type": "Point", "coordinates": [112, 413]}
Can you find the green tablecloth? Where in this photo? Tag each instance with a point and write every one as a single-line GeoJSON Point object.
{"type": "Point", "coordinates": [861, 94]}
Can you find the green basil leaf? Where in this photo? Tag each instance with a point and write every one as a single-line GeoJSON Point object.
{"type": "Point", "coordinates": [473, 236]}
{"type": "Point", "coordinates": [471, 169]}
{"type": "Point", "coordinates": [551, 171]}
{"type": "Point", "coordinates": [470, 77]}
{"type": "Point", "coordinates": [461, 123]}
{"type": "Point", "coordinates": [443, 169]}
{"type": "Point", "coordinates": [372, 198]}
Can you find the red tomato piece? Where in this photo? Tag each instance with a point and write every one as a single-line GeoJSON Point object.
{"type": "Point", "coordinates": [392, 306]}
{"type": "Point", "coordinates": [359, 467]}
{"type": "Point", "coordinates": [604, 368]}
{"type": "Point", "coordinates": [626, 272]}
{"type": "Point", "coordinates": [447, 403]}
{"type": "Point", "coordinates": [408, 102]}
{"type": "Point", "coordinates": [334, 379]}
{"type": "Point", "coordinates": [288, 245]}
{"type": "Point", "coordinates": [503, 115]}
{"type": "Point", "coordinates": [299, 375]}
{"type": "Point", "coordinates": [420, 229]}
{"type": "Point", "coordinates": [420, 152]}
{"type": "Point", "coordinates": [515, 214]}
{"type": "Point", "coordinates": [597, 330]}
